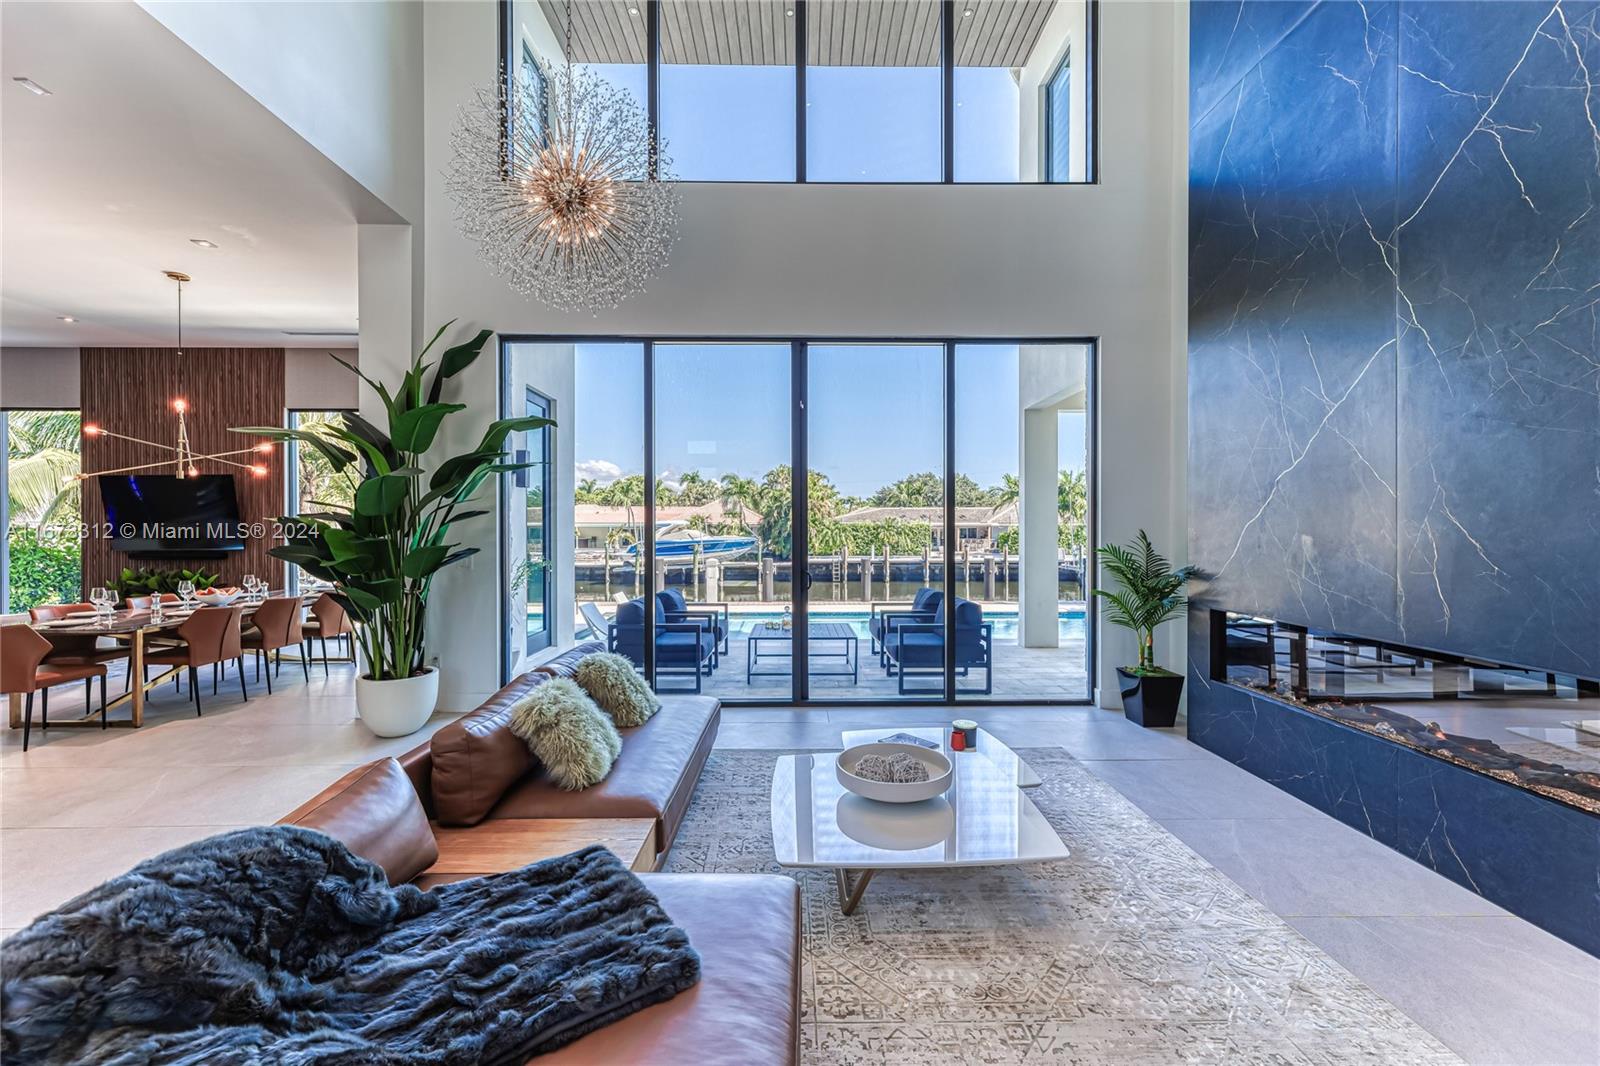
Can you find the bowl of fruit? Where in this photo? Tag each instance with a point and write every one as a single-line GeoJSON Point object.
{"type": "Point", "coordinates": [217, 596]}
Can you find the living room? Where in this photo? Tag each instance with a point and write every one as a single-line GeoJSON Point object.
{"type": "Point", "coordinates": [1178, 648]}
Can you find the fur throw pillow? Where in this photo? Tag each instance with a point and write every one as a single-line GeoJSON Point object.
{"type": "Point", "coordinates": [611, 681]}
{"type": "Point", "coordinates": [572, 737]}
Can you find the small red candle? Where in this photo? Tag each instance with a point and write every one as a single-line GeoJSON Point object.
{"type": "Point", "coordinates": [958, 740]}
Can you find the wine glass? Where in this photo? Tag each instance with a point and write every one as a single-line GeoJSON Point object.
{"type": "Point", "coordinates": [249, 583]}
{"type": "Point", "coordinates": [100, 597]}
{"type": "Point", "coordinates": [186, 592]}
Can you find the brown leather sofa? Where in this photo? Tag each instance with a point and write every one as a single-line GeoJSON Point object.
{"type": "Point", "coordinates": [744, 1011]}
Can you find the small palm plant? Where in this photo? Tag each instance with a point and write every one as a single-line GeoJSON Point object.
{"type": "Point", "coordinates": [1149, 593]}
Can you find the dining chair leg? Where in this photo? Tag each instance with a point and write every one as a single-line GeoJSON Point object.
{"type": "Point", "coordinates": [27, 722]}
{"type": "Point", "coordinates": [102, 701]}
{"type": "Point", "coordinates": [242, 690]}
{"type": "Point", "coordinates": [305, 667]}
{"type": "Point", "coordinates": [277, 662]}
{"type": "Point", "coordinates": [194, 689]}
{"type": "Point", "coordinates": [258, 664]}
{"type": "Point", "coordinates": [88, 696]}
{"type": "Point", "coordinates": [325, 654]}
{"type": "Point", "coordinates": [269, 680]}
{"type": "Point", "coordinates": [213, 679]}
{"type": "Point", "coordinates": [44, 708]}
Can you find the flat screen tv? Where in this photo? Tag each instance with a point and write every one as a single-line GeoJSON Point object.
{"type": "Point", "coordinates": [162, 516]}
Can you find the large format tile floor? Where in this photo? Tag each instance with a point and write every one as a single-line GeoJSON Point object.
{"type": "Point", "coordinates": [81, 806]}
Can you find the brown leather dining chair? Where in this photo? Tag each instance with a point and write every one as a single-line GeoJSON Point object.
{"type": "Point", "coordinates": [276, 625]}
{"type": "Point", "coordinates": [76, 649]}
{"type": "Point", "coordinates": [144, 603]}
{"type": "Point", "coordinates": [328, 619]}
{"type": "Point", "coordinates": [23, 669]}
{"type": "Point", "coordinates": [211, 635]}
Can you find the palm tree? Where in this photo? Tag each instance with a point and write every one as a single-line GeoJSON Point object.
{"type": "Point", "coordinates": [42, 459]}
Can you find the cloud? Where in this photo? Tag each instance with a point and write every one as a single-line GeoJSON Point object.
{"type": "Point", "coordinates": [601, 471]}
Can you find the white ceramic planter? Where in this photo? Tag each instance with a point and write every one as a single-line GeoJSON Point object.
{"type": "Point", "coordinates": [396, 708]}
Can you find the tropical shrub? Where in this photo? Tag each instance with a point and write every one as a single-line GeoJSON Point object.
{"type": "Point", "coordinates": [42, 570]}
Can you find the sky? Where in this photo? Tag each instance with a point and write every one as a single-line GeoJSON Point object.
{"type": "Point", "coordinates": [736, 123]}
{"type": "Point", "coordinates": [875, 412]}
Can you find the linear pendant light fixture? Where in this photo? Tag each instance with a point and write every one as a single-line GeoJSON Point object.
{"type": "Point", "coordinates": [182, 457]}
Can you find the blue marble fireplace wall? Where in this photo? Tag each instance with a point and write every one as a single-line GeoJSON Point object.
{"type": "Point", "coordinates": [1394, 325]}
{"type": "Point", "coordinates": [1394, 387]}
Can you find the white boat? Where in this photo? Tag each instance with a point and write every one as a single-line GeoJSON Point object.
{"type": "Point", "coordinates": [675, 540]}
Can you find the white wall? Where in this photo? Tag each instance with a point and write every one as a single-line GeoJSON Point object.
{"type": "Point", "coordinates": [344, 74]}
{"type": "Point", "coordinates": [312, 381]}
{"type": "Point", "coordinates": [873, 261]}
{"type": "Point", "coordinates": [38, 377]}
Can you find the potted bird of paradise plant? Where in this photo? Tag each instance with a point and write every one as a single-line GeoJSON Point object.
{"type": "Point", "coordinates": [1149, 592]}
{"type": "Point", "coordinates": [382, 551]}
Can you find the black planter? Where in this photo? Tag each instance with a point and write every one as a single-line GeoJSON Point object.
{"type": "Point", "coordinates": [1150, 701]}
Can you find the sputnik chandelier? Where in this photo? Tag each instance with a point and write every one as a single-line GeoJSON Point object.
{"type": "Point", "coordinates": [562, 190]}
{"type": "Point", "coordinates": [182, 457]}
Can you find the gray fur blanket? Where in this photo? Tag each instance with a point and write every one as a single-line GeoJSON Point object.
{"type": "Point", "coordinates": [277, 945]}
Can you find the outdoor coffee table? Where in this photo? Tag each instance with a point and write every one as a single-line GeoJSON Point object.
{"type": "Point", "coordinates": [780, 645]}
{"type": "Point", "coordinates": [986, 818]}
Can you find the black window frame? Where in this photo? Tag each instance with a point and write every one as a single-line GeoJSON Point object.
{"type": "Point", "coordinates": [509, 39]}
{"type": "Point", "coordinates": [800, 460]}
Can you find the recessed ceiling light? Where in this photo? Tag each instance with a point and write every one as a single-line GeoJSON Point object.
{"type": "Point", "coordinates": [790, 12]}
{"type": "Point", "coordinates": [66, 318]}
{"type": "Point", "coordinates": [32, 86]}
{"type": "Point", "coordinates": [967, 13]}
{"type": "Point", "coordinates": [201, 242]}
{"type": "Point", "coordinates": [633, 11]}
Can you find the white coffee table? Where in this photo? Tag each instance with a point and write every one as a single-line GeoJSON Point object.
{"type": "Point", "coordinates": [984, 819]}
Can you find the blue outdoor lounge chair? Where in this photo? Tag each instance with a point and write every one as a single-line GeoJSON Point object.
{"type": "Point", "coordinates": [917, 648]}
{"type": "Point", "coordinates": [712, 615]}
{"type": "Point", "coordinates": [681, 647]}
{"type": "Point", "coordinates": [885, 615]}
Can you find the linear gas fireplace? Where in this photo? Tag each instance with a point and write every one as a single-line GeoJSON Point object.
{"type": "Point", "coordinates": [1536, 730]}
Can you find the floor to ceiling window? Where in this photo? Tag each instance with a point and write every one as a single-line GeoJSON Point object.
{"type": "Point", "coordinates": [937, 546]}
{"type": "Point", "coordinates": [724, 518]}
{"type": "Point", "coordinates": [875, 439]}
{"type": "Point", "coordinates": [834, 90]}
{"type": "Point", "coordinates": [1021, 433]}
{"type": "Point", "coordinates": [312, 484]}
{"type": "Point", "coordinates": [44, 562]}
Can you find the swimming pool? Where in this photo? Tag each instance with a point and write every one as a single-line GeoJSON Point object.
{"type": "Point", "coordinates": [1070, 620]}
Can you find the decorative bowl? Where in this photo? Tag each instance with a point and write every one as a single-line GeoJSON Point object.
{"type": "Point", "coordinates": [939, 774]}
{"type": "Point", "coordinates": [217, 597]}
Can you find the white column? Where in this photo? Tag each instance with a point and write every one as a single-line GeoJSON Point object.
{"type": "Point", "coordinates": [385, 310]}
{"type": "Point", "coordinates": [1039, 586]}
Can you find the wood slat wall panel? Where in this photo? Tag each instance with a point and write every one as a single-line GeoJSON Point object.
{"type": "Point", "coordinates": [130, 391]}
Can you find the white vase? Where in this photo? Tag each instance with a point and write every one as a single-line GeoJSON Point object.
{"type": "Point", "coordinates": [396, 708]}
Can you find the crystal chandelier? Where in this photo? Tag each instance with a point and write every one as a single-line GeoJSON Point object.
{"type": "Point", "coordinates": [182, 457]}
{"type": "Point", "coordinates": [565, 196]}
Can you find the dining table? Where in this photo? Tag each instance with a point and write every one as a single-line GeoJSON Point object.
{"type": "Point", "coordinates": [135, 628]}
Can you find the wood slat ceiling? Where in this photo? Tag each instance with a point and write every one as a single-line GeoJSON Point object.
{"type": "Point", "coordinates": [891, 33]}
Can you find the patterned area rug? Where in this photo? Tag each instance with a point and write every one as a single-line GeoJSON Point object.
{"type": "Point", "coordinates": [1134, 950]}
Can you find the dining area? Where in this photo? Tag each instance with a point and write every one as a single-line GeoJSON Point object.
{"type": "Point", "coordinates": [243, 634]}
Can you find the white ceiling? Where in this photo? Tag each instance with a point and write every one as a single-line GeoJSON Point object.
{"type": "Point", "coordinates": [141, 147]}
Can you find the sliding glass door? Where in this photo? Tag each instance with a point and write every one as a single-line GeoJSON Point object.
{"type": "Point", "coordinates": [724, 520]}
{"type": "Point", "coordinates": [1022, 449]}
{"type": "Point", "coordinates": [937, 548]}
{"type": "Point", "coordinates": [875, 442]}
